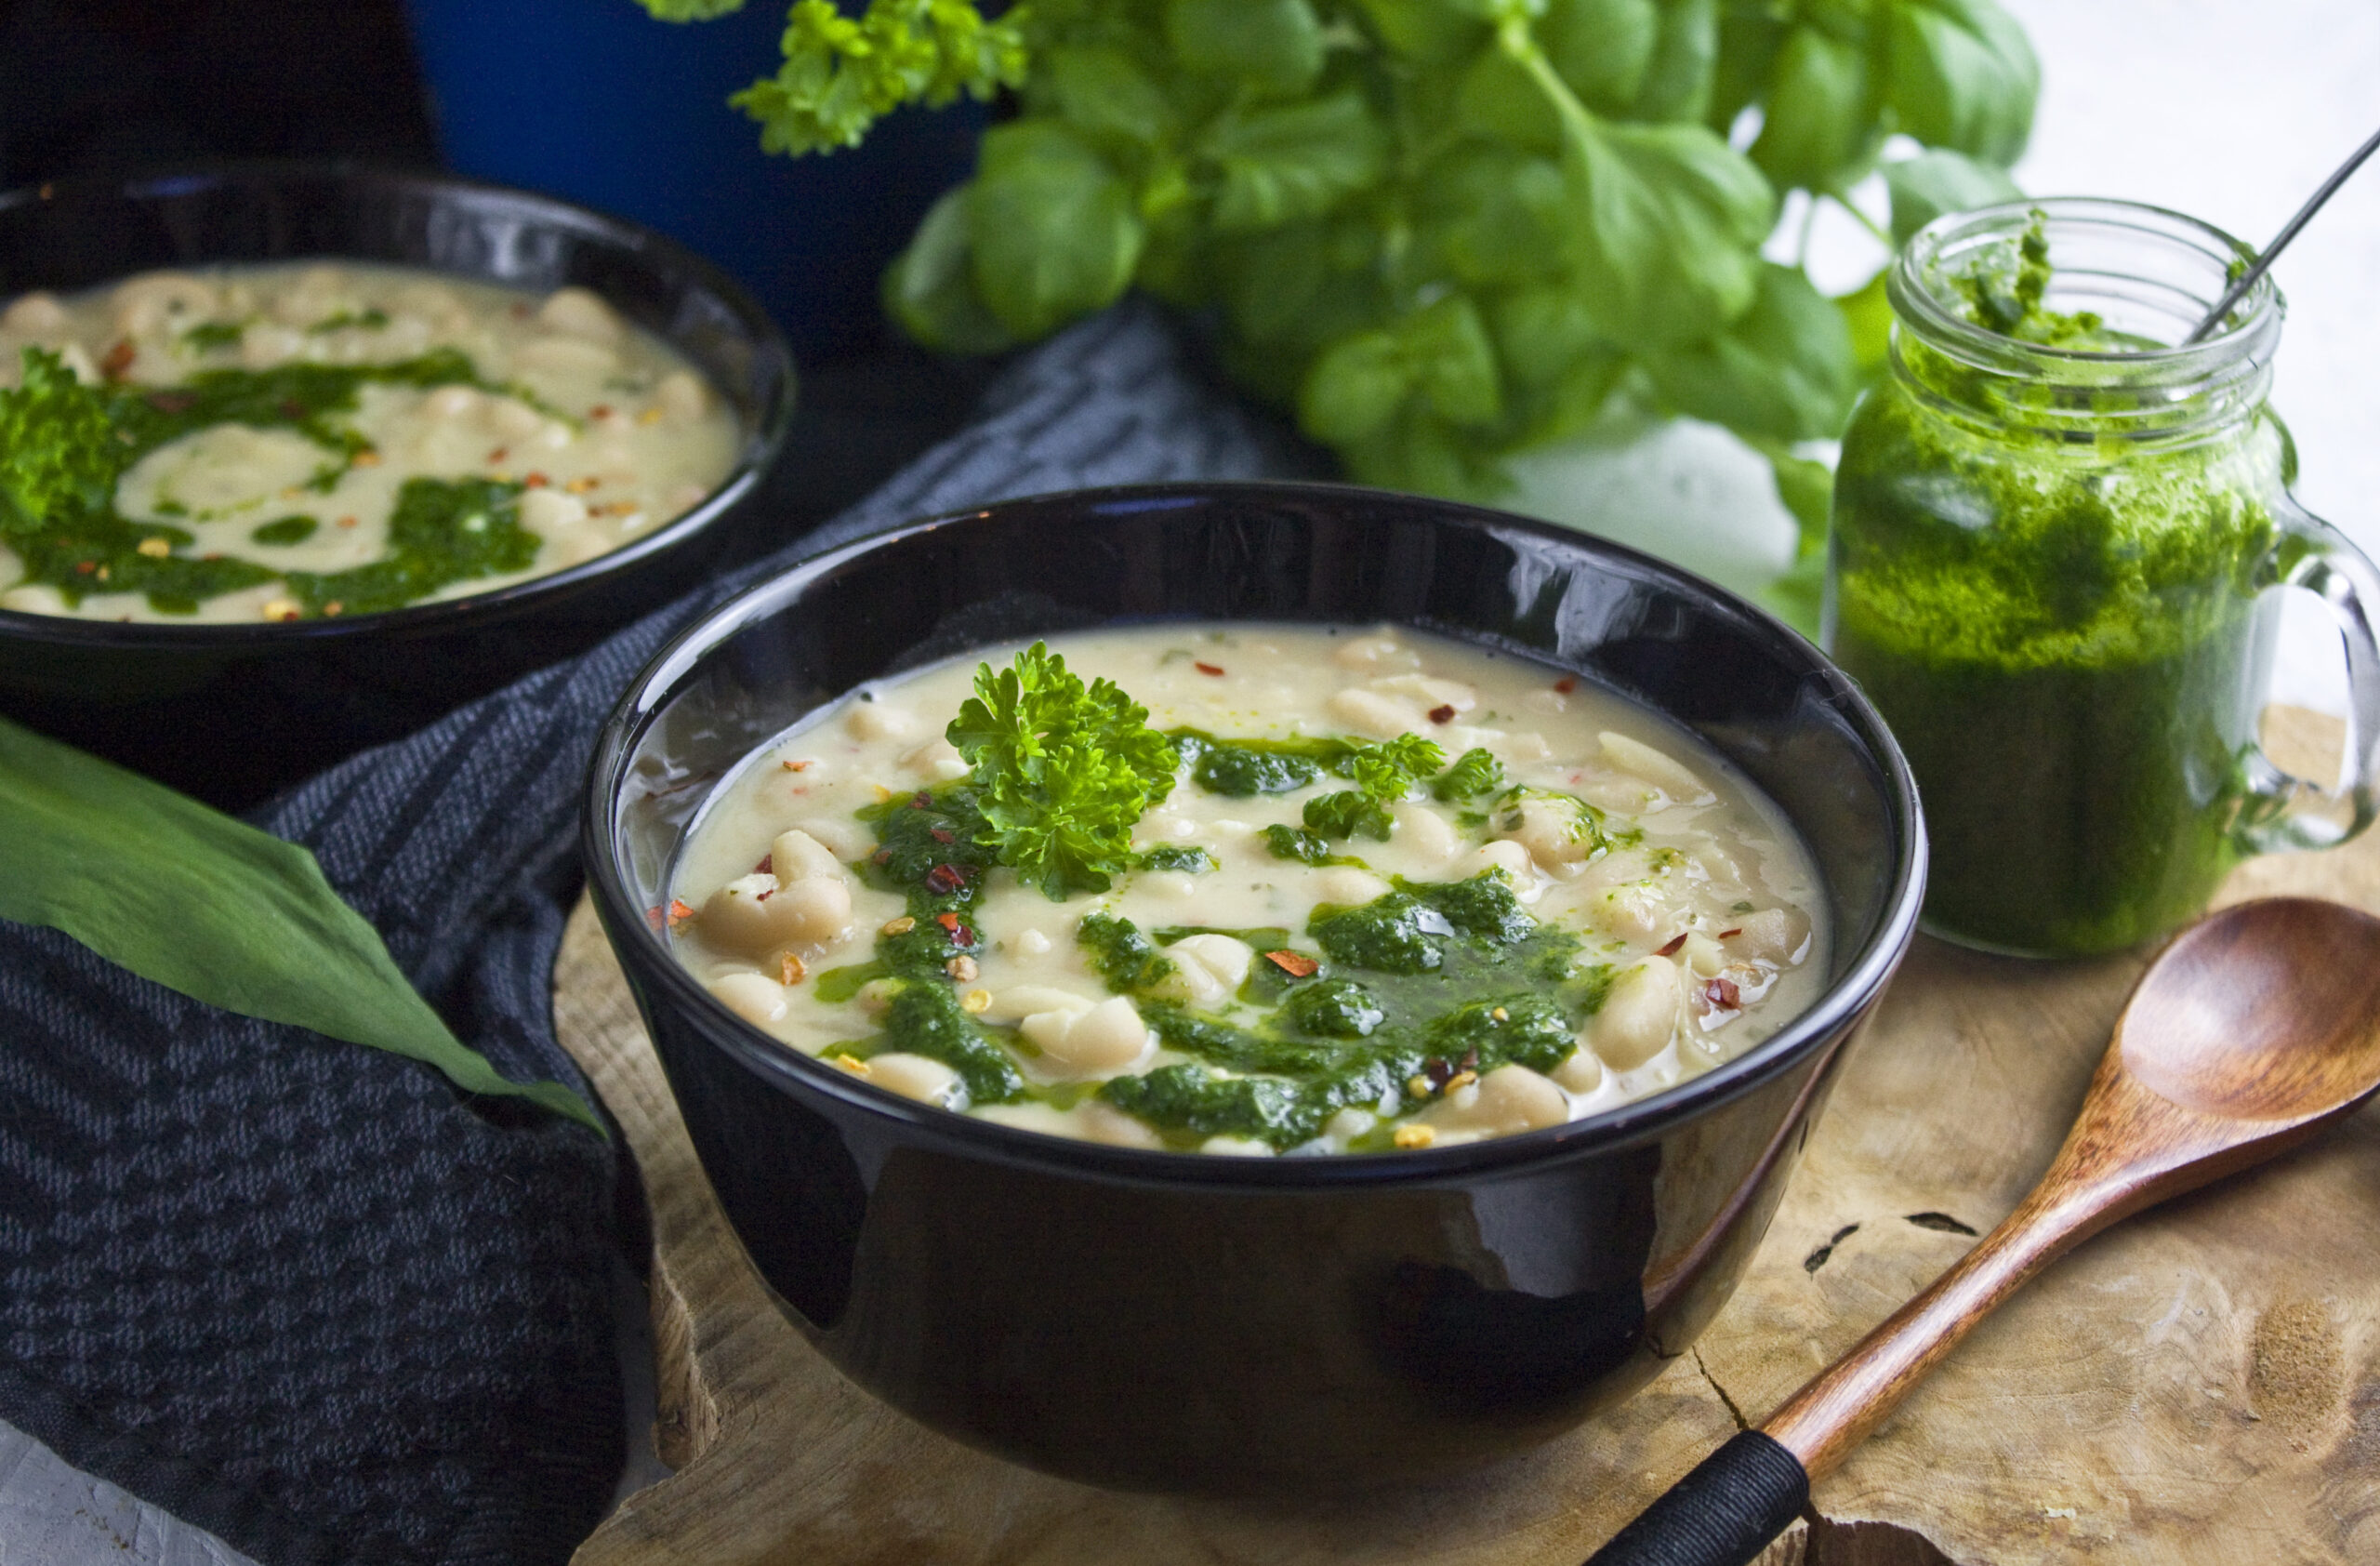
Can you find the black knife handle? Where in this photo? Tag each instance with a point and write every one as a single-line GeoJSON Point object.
{"type": "Point", "coordinates": [1724, 1513]}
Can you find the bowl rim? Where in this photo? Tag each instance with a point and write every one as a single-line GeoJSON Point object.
{"type": "Point", "coordinates": [761, 443]}
{"type": "Point", "coordinates": [642, 949]}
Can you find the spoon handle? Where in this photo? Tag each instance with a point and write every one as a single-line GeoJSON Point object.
{"type": "Point", "coordinates": [1741, 1497]}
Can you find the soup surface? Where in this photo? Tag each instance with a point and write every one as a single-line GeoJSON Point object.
{"type": "Point", "coordinates": [287, 442]}
{"type": "Point", "coordinates": [1326, 936]}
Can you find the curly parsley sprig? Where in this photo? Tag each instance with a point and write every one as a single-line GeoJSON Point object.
{"type": "Point", "coordinates": [1382, 775]}
{"type": "Point", "coordinates": [58, 455]}
{"type": "Point", "coordinates": [1062, 771]}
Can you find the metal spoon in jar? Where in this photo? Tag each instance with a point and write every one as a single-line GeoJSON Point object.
{"type": "Point", "coordinates": [2256, 1028]}
{"type": "Point", "coordinates": [2247, 280]}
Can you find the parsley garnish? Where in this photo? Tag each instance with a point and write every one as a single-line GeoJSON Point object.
{"type": "Point", "coordinates": [1382, 775]}
{"type": "Point", "coordinates": [59, 455]}
{"type": "Point", "coordinates": [1062, 771]}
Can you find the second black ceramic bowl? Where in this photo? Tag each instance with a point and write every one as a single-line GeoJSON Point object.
{"type": "Point", "coordinates": [231, 712]}
{"type": "Point", "coordinates": [1176, 1322]}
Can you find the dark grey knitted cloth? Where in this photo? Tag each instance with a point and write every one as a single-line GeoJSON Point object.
{"type": "Point", "coordinates": [298, 1292]}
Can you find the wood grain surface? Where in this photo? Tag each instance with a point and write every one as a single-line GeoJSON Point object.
{"type": "Point", "coordinates": [2199, 1385]}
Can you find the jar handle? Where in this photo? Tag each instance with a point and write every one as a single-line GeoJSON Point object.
{"type": "Point", "coordinates": [2285, 812]}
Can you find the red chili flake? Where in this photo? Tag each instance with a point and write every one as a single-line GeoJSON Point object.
{"type": "Point", "coordinates": [962, 936]}
{"type": "Point", "coordinates": [768, 865]}
{"type": "Point", "coordinates": [291, 408]}
{"type": "Point", "coordinates": [766, 895]}
{"type": "Point", "coordinates": [797, 766]}
{"type": "Point", "coordinates": [601, 410]}
{"type": "Point", "coordinates": [535, 480]}
{"type": "Point", "coordinates": [85, 567]}
{"type": "Point", "coordinates": [942, 835]}
{"type": "Point", "coordinates": [655, 917]}
{"type": "Point", "coordinates": [1442, 715]}
{"type": "Point", "coordinates": [1440, 1073]}
{"type": "Point", "coordinates": [1470, 1061]}
{"type": "Point", "coordinates": [884, 855]}
{"type": "Point", "coordinates": [520, 312]}
{"type": "Point", "coordinates": [1297, 964]}
{"type": "Point", "coordinates": [1670, 949]}
{"type": "Point", "coordinates": [172, 401]}
{"type": "Point", "coordinates": [1723, 994]}
{"type": "Point", "coordinates": [948, 920]}
{"type": "Point", "coordinates": [500, 454]}
{"type": "Point", "coordinates": [1565, 684]}
{"type": "Point", "coordinates": [943, 880]}
{"type": "Point", "coordinates": [678, 911]}
{"type": "Point", "coordinates": [1726, 934]}
{"type": "Point", "coordinates": [922, 800]}
{"type": "Point", "coordinates": [1206, 667]}
{"type": "Point", "coordinates": [119, 359]}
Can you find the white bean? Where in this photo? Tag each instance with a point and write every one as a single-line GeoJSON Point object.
{"type": "Point", "coordinates": [1207, 970]}
{"type": "Point", "coordinates": [1507, 1100]}
{"type": "Point", "coordinates": [682, 396]}
{"type": "Point", "coordinates": [1656, 768]}
{"type": "Point", "coordinates": [512, 418]}
{"type": "Point", "coordinates": [1373, 714]}
{"type": "Point", "coordinates": [549, 511]}
{"type": "Point", "coordinates": [1019, 1001]}
{"type": "Point", "coordinates": [1425, 832]}
{"type": "Point", "coordinates": [1550, 830]}
{"type": "Point", "coordinates": [795, 855]}
{"type": "Point", "coordinates": [819, 909]}
{"type": "Point", "coordinates": [580, 313]}
{"type": "Point", "coordinates": [1773, 935]}
{"type": "Point", "coordinates": [1346, 884]}
{"type": "Point", "coordinates": [37, 314]}
{"type": "Point", "coordinates": [1638, 1015]}
{"type": "Point", "coordinates": [876, 720]}
{"type": "Point", "coordinates": [754, 997]}
{"type": "Point", "coordinates": [1374, 653]}
{"type": "Point", "coordinates": [751, 913]}
{"type": "Point", "coordinates": [918, 1077]}
{"type": "Point", "coordinates": [1581, 1073]}
{"type": "Point", "coordinates": [454, 402]}
{"type": "Point", "coordinates": [1104, 1123]}
{"type": "Point", "coordinates": [1235, 1147]}
{"type": "Point", "coordinates": [566, 355]}
{"type": "Point", "coordinates": [161, 299]}
{"type": "Point", "coordinates": [1106, 1038]}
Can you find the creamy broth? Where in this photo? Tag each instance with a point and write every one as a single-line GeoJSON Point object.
{"type": "Point", "coordinates": [1617, 913]}
{"type": "Point", "coordinates": [387, 436]}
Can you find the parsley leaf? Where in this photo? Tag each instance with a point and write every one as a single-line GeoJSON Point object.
{"type": "Point", "coordinates": [1382, 775]}
{"type": "Point", "coordinates": [1062, 771]}
{"type": "Point", "coordinates": [1475, 772]}
{"type": "Point", "coordinates": [58, 455]}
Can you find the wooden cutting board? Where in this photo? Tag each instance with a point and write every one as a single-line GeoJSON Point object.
{"type": "Point", "coordinates": [2200, 1387]}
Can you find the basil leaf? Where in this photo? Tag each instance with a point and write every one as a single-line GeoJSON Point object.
{"type": "Point", "coordinates": [1821, 123]}
{"type": "Point", "coordinates": [1356, 387]}
{"type": "Point", "coordinates": [1925, 187]}
{"type": "Point", "coordinates": [1441, 352]}
{"type": "Point", "coordinates": [1103, 91]}
{"type": "Point", "coordinates": [205, 904]}
{"type": "Point", "coordinates": [1669, 219]}
{"type": "Point", "coordinates": [1499, 218]}
{"type": "Point", "coordinates": [1963, 77]}
{"type": "Point", "coordinates": [1276, 43]}
{"type": "Point", "coordinates": [1677, 82]}
{"type": "Point", "coordinates": [1604, 48]}
{"type": "Point", "coordinates": [930, 287]}
{"type": "Point", "coordinates": [1867, 311]}
{"type": "Point", "coordinates": [1783, 370]}
{"type": "Point", "coordinates": [1295, 162]}
{"type": "Point", "coordinates": [1429, 32]}
{"type": "Point", "coordinates": [1053, 230]}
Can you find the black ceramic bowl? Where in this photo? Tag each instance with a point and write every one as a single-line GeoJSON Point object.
{"type": "Point", "coordinates": [231, 712]}
{"type": "Point", "coordinates": [1171, 1320]}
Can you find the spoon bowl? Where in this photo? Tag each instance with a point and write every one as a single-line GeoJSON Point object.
{"type": "Point", "coordinates": [2252, 1031]}
{"type": "Point", "coordinates": [2263, 1011]}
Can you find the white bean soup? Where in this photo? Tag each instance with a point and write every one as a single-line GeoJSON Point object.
{"type": "Point", "coordinates": [1323, 935]}
{"type": "Point", "coordinates": [287, 442]}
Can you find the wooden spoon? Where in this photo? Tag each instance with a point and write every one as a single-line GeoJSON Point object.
{"type": "Point", "coordinates": [2253, 1030]}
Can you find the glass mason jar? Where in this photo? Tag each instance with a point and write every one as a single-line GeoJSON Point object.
{"type": "Point", "coordinates": [2055, 542]}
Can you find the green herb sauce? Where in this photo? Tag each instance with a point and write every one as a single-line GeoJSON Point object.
{"type": "Point", "coordinates": [2060, 630]}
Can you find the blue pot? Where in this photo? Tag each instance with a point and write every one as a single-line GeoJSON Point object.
{"type": "Point", "coordinates": [595, 102]}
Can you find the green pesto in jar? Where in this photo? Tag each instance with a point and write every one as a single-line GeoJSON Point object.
{"type": "Point", "coordinates": [2060, 628]}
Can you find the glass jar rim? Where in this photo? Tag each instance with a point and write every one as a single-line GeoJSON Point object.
{"type": "Point", "coordinates": [2248, 334]}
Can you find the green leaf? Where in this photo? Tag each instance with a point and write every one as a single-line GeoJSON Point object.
{"type": "Point", "coordinates": [1428, 32]}
{"type": "Point", "coordinates": [691, 11]}
{"type": "Point", "coordinates": [1962, 76]}
{"type": "Point", "coordinates": [1820, 123]}
{"type": "Point", "coordinates": [1275, 43]}
{"type": "Point", "coordinates": [1749, 42]}
{"type": "Point", "coordinates": [200, 903]}
{"type": "Point", "coordinates": [1678, 80]}
{"type": "Point", "coordinates": [1499, 217]}
{"type": "Point", "coordinates": [1604, 48]}
{"type": "Point", "coordinates": [1441, 352]}
{"type": "Point", "coordinates": [58, 455]}
{"type": "Point", "coordinates": [1062, 771]}
{"type": "Point", "coordinates": [1798, 596]}
{"type": "Point", "coordinates": [1670, 221]}
{"type": "Point", "coordinates": [1783, 370]}
{"type": "Point", "coordinates": [1925, 187]}
{"type": "Point", "coordinates": [1054, 229]}
{"type": "Point", "coordinates": [1868, 314]}
{"type": "Point", "coordinates": [930, 287]}
{"type": "Point", "coordinates": [1103, 91]}
{"type": "Point", "coordinates": [1300, 161]}
{"type": "Point", "coordinates": [840, 76]}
